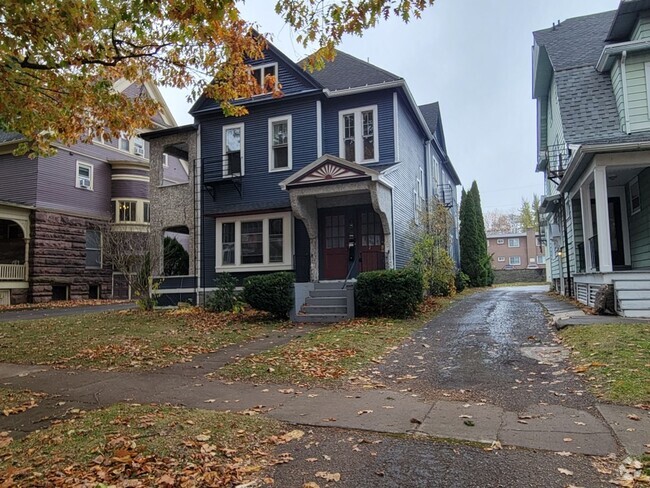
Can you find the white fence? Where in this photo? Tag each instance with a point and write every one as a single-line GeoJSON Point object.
{"type": "Point", "coordinates": [13, 272]}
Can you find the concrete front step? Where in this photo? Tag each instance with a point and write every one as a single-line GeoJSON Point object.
{"type": "Point", "coordinates": [331, 285]}
{"type": "Point", "coordinates": [328, 293]}
{"type": "Point", "coordinates": [325, 309]}
{"type": "Point", "coordinates": [321, 318]}
{"type": "Point", "coordinates": [327, 301]}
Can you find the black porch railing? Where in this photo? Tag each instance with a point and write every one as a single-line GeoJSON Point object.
{"type": "Point", "coordinates": [556, 160]}
{"type": "Point", "coordinates": [219, 169]}
{"type": "Point", "coordinates": [445, 195]}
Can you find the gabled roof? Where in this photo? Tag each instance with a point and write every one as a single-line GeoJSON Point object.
{"type": "Point", "coordinates": [626, 17]}
{"type": "Point", "coordinates": [431, 114]}
{"type": "Point", "coordinates": [346, 71]}
{"type": "Point", "coordinates": [329, 169]}
{"type": "Point", "coordinates": [586, 98]}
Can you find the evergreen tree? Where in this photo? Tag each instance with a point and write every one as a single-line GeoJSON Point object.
{"type": "Point", "coordinates": [474, 259]}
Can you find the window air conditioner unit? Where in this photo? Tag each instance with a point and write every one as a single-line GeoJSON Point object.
{"type": "Point", "coordinates": [84, 183]}
{"type": "Point", "coordinates": [138, 150]}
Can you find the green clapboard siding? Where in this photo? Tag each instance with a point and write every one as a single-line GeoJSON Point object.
{"type": "Point", "coordinates": [617, 84]}
{"type": "Point", "coordinates": [637, 91]}
{"type": "Point", "coordinates": [640, 225]}
{"type": "Point", "coordinates": [642, 29]}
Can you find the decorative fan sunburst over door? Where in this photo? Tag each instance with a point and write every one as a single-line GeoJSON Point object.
{"type": "Point", "coordinates": [328, 171]}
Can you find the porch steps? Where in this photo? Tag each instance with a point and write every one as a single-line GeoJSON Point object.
{"type": "Point", "coordinates": [632, 298]}
{"type": "Point", "coordinates": [328, 302]}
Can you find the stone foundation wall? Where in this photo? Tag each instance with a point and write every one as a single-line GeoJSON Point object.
{"type": "Point", "coordinates": [519, 276]}
{"type": "Point", "coordinates": [58, 258]}
{"type": "Point", "coordinates": [19, 296]}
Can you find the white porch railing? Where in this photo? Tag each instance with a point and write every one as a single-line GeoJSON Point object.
{"type": "Point", "coordinates": [13, 272]}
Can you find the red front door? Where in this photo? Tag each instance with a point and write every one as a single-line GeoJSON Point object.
{"type": "Point", "coordinates": [334, 244]}
{"type": "Point", "coordinates": [350, 235]}
{"type": "Point", "coordinates": [372, 242]}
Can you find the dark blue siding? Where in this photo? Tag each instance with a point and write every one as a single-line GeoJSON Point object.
{"type": "Point", "coordinates": [18, 179]}
{"type": "Point", "coordinates": [258, 184]}
{"type": "Point", "coordinates": [385, 130]}
{"type": "Point", "coordinates": [288, 76]}
{"type": "Point", "coordinates": [412, 156]}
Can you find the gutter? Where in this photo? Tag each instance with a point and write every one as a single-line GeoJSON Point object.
{"type": "Point", "coordinates": [626, 108]}
{"type": "Point", "coordinates": [605, 61]}
{"type": "Point", "coordinates": [587, 149]}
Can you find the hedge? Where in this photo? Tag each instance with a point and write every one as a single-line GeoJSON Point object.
{"type": "Point", "coordinates": [271, 293]}
{"type": "Point", "coordinates": [389, 293]}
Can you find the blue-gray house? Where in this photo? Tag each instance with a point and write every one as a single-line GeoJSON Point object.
{"type": "Point", "coordinates": [326, 181]}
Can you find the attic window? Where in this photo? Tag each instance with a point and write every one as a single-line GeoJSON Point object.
{"type": "Point", "coordinates": [260, 73]}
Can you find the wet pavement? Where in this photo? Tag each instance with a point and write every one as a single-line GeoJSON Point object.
{"type": "Point", "coordinates": [494, 347]}
{"type": "Point", "coordinates": [46, 313]}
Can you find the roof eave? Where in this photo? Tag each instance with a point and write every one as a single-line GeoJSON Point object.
{"type": "Point", "coordinates": [611, 51]}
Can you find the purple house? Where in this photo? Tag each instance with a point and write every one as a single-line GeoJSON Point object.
{"type": "Point", "coordinates": [52, 210]}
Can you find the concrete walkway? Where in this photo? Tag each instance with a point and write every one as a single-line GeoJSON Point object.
{"type": "Point", "coordinates": [593, 430]}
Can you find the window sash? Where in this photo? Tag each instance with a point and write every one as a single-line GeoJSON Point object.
{"type": "Point", "coordinates": [514, 261]}
{"type": "Point", "coordinates": [233, 150]}
{"type": "Point", "coordinates": [280, 143]}
{"type": "Point", "coordinates": [357, 133]}
{"type": "Point", "coordinates": [93, 249]}
{"type": "Point", "coordinates": [127, 210]}
{"type": "Point", "coordinates": [228, 243]}
{"type": "Point", "coordinates": [513, 242]}
{"type": "Point", "coordinates": [252, 242]}
{"type": "Point", "coordinates": [146, 209]}
{"type": "Point", "coordinates": [276, 240]}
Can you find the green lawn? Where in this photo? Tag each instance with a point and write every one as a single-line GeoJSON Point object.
{"type": "Point", "coordinates": [328, 355]}
{"type": "Point", "coordinates": [156, 445]}
{"type": "Point", "coordinates": [127, 339]}
{"type": "Point", "coordinates": [615, 359]}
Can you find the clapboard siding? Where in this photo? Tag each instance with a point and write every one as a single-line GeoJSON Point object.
{"type": "Point", "coordinates": [130, 189]}
{"type": "Point", "coordinates": [640, 225]}
{"type": "Point", "coordinates": [18, 176]}
{"type": "Point", "coordinates": [289, 77]}
{"type": "Point", "coordinates": [56, 187]}
{"type": "Point", "coordinates": [642, 29]}
{"type": "Point", "coordinates": [637, 92]}
{"type": "Point", "coordinates": [258, 184]}
{"type": "Point", "coordinates": [385, 129]}
{"type": "Point", "coordinates": [617, 84]}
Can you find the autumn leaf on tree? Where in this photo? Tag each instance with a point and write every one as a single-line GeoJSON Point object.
{"type": "Point", "coordinates": [61, 58]}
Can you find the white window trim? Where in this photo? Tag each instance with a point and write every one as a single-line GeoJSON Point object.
{"type": "Point", "coordinates": [91, 168]}
{"type": "Point", "coordinates": [511, 258]}
{"type": "Point", "coordinates": [138, 139]}
{"type": "Point", "coordinates": [165, 160]}
{"type": "Point", "coordinates": [421, 184]}
{"type": "Point", "coordinates": [358, 133]}
{"type": "Point", "coordinates": [416, 207]}
{"type": "Point", "coordinates": [512, 239]}
{"type": "Point", "coordinates": [272, 168]}
{"type": "Point", "coordinates": [139, 211]}
{"type": "Point", "coordinates": [500, 241]}
{"type": "Point", "coordinates": [262, 66]}
{"type": "Point", "coordinates": [265, 265]}
{"type": "Point", "coordinates": [223, 148]}
{"type": "Point", "coordinates": [501, 259]}
{"type": "Point", "coordinates": [634, 181]}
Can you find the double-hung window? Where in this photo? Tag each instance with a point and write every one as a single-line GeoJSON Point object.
{"type": "Point", "coordinates": [358, 135]}
{"type": "Point", "coordinates": [514, 260]}
{"type": "Point", "coordinates": [84, 176]}
{"type": "Point", "coordinates": [255, 242]}
{"type": "Point", "coordinates": [280, 143]}
{"type": "Point", "coordinates": [263, 75]}
{"type": "Point", "coordinates": [513, 242]}
{"type": "Point", "coordinates": [233, 154]}
{"type": "Point", "coordinates": [138, 146]}
{"type": "Point", "coordinates": [124, 143]}
{"type": "Point", "coordinates": [146, 212]}
{"type": "Point", "coordinates": [93, 248]}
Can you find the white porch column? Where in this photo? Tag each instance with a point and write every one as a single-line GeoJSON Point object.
{"type": "Point", "coordinates": [602, 220]}
{"type": "Point", "coordinates": [587, 227]}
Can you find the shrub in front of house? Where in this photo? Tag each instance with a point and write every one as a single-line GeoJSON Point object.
{"type": "Point", "coordinates": [223, 298]}
{"type": "Point", "coordinates": [462, 281]}
{"type": "Point", "coordinates": [442, 282]}
{"type": "Point", "coordinates": [271, 293]}
{"type": "Point", "coordinates": [389, 293]}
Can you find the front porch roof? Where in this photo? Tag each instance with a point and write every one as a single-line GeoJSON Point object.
{"type": "Point", "coordinates": [330, 169]}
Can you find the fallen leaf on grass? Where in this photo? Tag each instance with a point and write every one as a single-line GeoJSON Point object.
{"type": "Point", "coordinates": [294, 435]}
{"type": "Point", "coordinates": [326, 475]}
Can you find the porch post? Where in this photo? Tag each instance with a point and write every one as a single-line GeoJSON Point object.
{"type": "Point", "coordinates": [602, 220]}
{"type": "Point", "coordinates": [587, 226]}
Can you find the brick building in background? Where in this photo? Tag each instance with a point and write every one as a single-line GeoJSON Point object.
{"type": "Point", "coordinates": [516, 250]}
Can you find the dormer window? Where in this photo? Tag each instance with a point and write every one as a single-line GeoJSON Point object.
{"type": "Point", "coordinates": [260, 73]}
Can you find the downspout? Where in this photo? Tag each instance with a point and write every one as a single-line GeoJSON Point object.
{"type": "Point", "coordinates": [566, 249]}
{"type": "Point", "coordinates": [626, 108]}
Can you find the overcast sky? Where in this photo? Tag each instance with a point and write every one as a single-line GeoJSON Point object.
{"type": "Point", "coordinates": [472, 56]}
